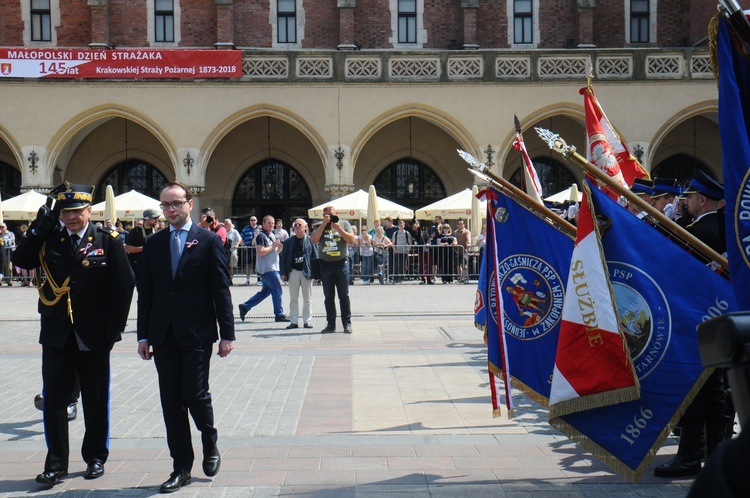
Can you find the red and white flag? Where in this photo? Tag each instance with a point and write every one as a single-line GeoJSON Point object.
{"type": "Point", "coordinates": [593, 367]}
{"type": "Point", "coordinates": [604, 148]}
{"type": "Point", "coordinates": [533, 185]}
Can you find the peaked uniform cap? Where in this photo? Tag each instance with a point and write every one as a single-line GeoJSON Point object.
{"type": "Point", "coordinates": [642, 186]}
{"type": "Point", "coordinates": [705, 185]}
{"type": "Point", "coordinates": [666, 186]}
{"type": "Point", "coordinates": [73, 195]}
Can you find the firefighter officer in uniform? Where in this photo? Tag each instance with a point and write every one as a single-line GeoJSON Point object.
{"type": "Point", "coordinates": [84, 303]}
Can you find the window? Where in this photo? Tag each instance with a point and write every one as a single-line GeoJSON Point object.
{"type": "Point", "coordinates": [639, 21]}
{"type": "Point", "coordinates": [287, 19]}
{"type": "Point", "coordinates": [41, 20]}
{"type": "Point", "coordinates": [164, 20]}
{"type": "Point", "coordinates": [132, 174]}
{"type": "Point", "coordinates": [522, 21]}
{"type": "Point", "coordinates": [407, 21]}
{"type": "Point", "coordinates": [10, 181]}
{"type": "Point", "coordinates": [410, 183]}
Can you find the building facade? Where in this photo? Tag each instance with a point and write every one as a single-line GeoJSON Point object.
{"type": "Point", "coordinates": [335, 95]}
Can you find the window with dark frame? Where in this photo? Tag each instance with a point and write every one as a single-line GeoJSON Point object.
{"type": "Point", "coordinates": [523, 17]}
{"type": "Point", "coordinates": [132, 174]}
{"type": "Point", "coordinates": [639, 21]}
{"type": "Point", "coordinates": [287, 21]}
{"type": "Point", "coordinates": [409, 182]}
{"type": "Point", "coordinates": [164, 20]}
{"type": "Point", "coordinates": [41, 20]}
{"type": "Point", "coordinates": [407, 21]}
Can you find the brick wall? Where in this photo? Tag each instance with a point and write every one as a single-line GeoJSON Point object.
{"type": "Point", "coordinates": [11, 25]}
{"type": "Point", "coordinates": [251, 27]}
{"type": "Point", "coordinates": [492, 25]}
{"type": "Point", "coordinates": [198, 23]}
{"type": "Point", "coordinates": [443, 20]}
{"type": "Point", "coordinates": [372, 24]}
{"type": "Point", "coordinates": [75, 24]}
{"type": "Point", "coordinates": [128, 23]}
{"type": "Point", "coordinates": [558, 22]}
{"type": "Point", "coordinates": [612, 15]}
{"type": "Point", "coordinates": [321, 24]}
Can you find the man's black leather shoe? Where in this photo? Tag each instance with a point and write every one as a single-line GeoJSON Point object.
{"type": "Point", "coordinates": [176, 481]}
{"type": "Point", "coordinates": [94, 470]}
{"type": "Point", "coordinates": [282, 318]}
{"type": "Point", "coordinates": [211, 462]}
{"type": "Point", "coordinates": [243, 312]}
{"type": "Point", "coordinates": [51, 477]}
{"type": "Point", "coordinates": [72, 411]}
{"type": "Point", "coordinates": [678, 467]}
{"type": "Point", "coordinates": [329, 328]}
{"type": "Point", "coordinates": [292, 326]}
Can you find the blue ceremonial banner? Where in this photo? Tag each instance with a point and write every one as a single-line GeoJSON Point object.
{"type": "Point", "coordinates": [529, 268]}
{"type": "Point", "coordinates": [660, 305]}
{"type": "Point", "coordinates": [734, 117]}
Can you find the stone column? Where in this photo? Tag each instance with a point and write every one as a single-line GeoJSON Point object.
{"type": "Point", "coordinates": [469, 8]}
{"type": "Point", "coordinates": [346, 24]}
{"type": "Point", "coordinates": [99, 24]}
{"type": "Point", "coordinates": [224, 24]}
{"type": "Point", "coordinates": [586, 23]}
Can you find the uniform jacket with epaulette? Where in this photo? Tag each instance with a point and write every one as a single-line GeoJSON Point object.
{"type": "Point", "coordinates": [101, 286]}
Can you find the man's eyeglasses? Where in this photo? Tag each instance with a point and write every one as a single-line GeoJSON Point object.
{"type": "Point", "coordinates": [172, 205]}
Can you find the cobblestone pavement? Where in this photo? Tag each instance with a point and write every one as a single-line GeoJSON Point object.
{"type": "Point", "coordinates": [400, 407]}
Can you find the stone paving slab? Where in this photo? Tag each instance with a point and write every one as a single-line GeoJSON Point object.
{"type": "Point", "coordinates": [401, 407]}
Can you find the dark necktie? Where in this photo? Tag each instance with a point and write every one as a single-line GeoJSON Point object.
{"type": "Point", "coordinates": [74, 238]}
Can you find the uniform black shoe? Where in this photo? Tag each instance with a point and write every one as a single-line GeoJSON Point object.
{"type": "Point", "coordinates": [211, 462]}
{"type": "Point", "coordinates": [72, 410]}
{"type": "Point", "coordinates": [282, 318]}
{"type": "Point", "coordinates": [51, 477]}
{"type": "Point", "coordinates": [678, 467]}
{"type": "Point", "coordinates": [243, 312]}
{"type": "Point", "coordinates": [292, 326]}
{"type": "Point", "coordinates": [94, 470]}
{"type": "Point", "coordinates": [329, 329]}
{"type": "Point", "coordinates": [176, 481]}
{"type": "Point", "coordinates": [307, 325]}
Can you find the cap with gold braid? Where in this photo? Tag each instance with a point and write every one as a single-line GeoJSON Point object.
{"type": "Point", "coordinates": [73, 195]}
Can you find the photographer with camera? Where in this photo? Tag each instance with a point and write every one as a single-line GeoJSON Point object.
{"type": "Point", "coordinates": [333, 237]}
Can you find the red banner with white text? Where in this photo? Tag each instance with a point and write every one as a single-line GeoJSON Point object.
{"type": "Point", "coordinates": [119, 64]}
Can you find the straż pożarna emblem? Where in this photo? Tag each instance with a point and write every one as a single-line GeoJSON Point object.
{"type": "Point", "coordinates": [532, 293]}
{"type": "Point", "coordinates": [644, 315]}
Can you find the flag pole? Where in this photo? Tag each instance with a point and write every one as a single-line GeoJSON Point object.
{"type": "Point", "coordinates": [481, 171]}
{"type": "Point", "coordinates": [559, 145]}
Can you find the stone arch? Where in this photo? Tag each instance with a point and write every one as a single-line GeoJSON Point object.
{"type": "Point", "coordinates": [315, 178]}
{"type": "Point", "coordinates": [10, 151]}
{"type": "Point", "coordinates": [692, 131]}
{"type": "Point", "coordinates": [71, 134]}
{"type": "Point", "coordinates": [442, 120]}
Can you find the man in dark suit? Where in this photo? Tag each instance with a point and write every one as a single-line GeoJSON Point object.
{"type": "Point", "coordinates": [86, 272]}
{"type": "Point", "coordinates": [183, 291]}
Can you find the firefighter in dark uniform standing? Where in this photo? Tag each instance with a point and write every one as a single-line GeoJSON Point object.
{"type": "Point", "coordinates": [83, 303]}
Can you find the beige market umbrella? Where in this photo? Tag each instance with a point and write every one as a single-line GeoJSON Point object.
{"type": "Point", "coordinates": [110, 211]}
{"type": "Point", "coordinates": [372, 207]}
{"type": "Point", "coordinates": [23, 207]}
{"type": "Point", "coordinates": [130, 206]}
{"type": "Point", "coordinates": [354, 206]}
{"type": "Point", "coordinates": [476, 213]}
{"type": "Point", "coordinates": [565, 195]}
{"type": "Point", "coordinates": [574, 195]}
{"type": "Point", "coordinates": [453, 207]}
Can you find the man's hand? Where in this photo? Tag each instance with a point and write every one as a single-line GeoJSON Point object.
{"type": "Point", "coordinates": [46, 220]}
{"type": "Point", "coordinates": [225, 347]}
{"type": "Point", "coordinates": [143, 350]}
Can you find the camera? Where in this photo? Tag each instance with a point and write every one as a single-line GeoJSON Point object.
{"type": "Point", "coordinates": [334, 218]}
{"type": "Point", "coordinates": [209, 219]}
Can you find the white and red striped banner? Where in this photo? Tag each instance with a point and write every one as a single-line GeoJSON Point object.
{"type": "Point", "coordinates": [119, 64]}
